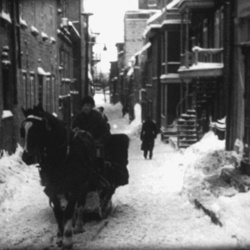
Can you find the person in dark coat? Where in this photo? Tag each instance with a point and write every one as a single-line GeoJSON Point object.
{"type": "Point", "coordinates": [148, 135]}
{"type": "Point", "coordinates": [92, 120]}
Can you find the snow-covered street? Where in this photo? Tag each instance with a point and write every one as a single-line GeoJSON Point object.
{"type": "Point", "coordinates": [151, 212]}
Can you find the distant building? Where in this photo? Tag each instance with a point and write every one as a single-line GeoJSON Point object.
{"type": "Point", "coordinates": [134, 25]}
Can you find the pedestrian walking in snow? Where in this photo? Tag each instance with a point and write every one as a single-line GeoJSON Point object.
{"type": "Point", "coordinates": [101, 110]}
{"type": "Point", "coordinates": [125, 110]}
{"type": "Point", "coordinates": [148, 135]}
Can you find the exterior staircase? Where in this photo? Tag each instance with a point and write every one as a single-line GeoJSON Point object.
{"type": "Point", "coordinates": [187, 129]}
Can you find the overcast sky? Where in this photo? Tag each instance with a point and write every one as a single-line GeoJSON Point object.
{"type": "Point", "coordinates": [107, 19]}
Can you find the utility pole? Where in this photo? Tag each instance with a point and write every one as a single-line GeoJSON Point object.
{"type": "Point", "coordinates": [86, 86]}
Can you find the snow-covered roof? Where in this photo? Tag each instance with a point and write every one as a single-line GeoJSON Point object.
{"type": "Point", "coordinates": [130, 72]}
{"type": "Point", "coordinates": [149, 27]}
{"type": "Point", "coordinates": [172, 4]}
{"type": "Point", "coordinates": [206, 66]}
{"type": "Point", "coordinates": [171, 21]}
{"type": "Point", "coordinates": [74, 28]}
{"type": "Point", "coordinates": [154, 17]}
{"type": "Point", "coordinates": [145, 47]}
{"type": "Point", "coordinates": [169, 76]}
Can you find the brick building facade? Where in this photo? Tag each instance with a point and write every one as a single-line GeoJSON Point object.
{"type": "Point", "coordinates": [42, 61]}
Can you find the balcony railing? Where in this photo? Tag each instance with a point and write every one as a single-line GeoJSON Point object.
{"type": "Point", "coordinates": [212, 56]}
{"type": "Point", "coordinates": [201, 55]}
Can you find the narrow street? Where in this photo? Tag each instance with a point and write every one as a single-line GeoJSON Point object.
{"type": "Point", "coordinates": [149, 213]}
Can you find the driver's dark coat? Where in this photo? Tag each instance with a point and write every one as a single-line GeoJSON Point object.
{"type": "Point", "coordinates": [92, 123]}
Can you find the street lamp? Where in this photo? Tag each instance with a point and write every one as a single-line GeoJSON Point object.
{"type": "Point", "coordinates": [86, 87]}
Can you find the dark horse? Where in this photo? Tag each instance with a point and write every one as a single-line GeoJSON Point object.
{"type": "Point", "coordinates": [66, 163]}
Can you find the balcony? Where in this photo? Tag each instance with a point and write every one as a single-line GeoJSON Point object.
{"type": "Point", "coordinates": [202, 62]}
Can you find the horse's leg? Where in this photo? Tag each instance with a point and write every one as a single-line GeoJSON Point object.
{"type": "Point", "coordinates": [80, 208]}
{"type": "Point", "coordinates": [106, 203]}
{"type": "Point", "coordinates": [59, 218]}
{"type": "Point", "coordinates": [79, 219]}
{"type": "Point", "coordinates": [68, 219]}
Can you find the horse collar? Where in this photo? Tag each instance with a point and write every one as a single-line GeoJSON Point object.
{"type": "Point", "coordinates": [34, 117]}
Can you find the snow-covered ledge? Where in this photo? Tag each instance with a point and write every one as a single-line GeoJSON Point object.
{"type": "Point", "coordinates": [41, 71]}
{"type": "Point", "coordinates": [5, 16]}
{"type": "Point", "coordinates": [34, 30]}
{"type": "Point", "coordinates": [23, 23]}
{"type": "Point", "coordinates": [52, 40]}
{"type": "Point", "coordinates": [7, 114]}
{"type": "Point", "coordinates": [44, 36]}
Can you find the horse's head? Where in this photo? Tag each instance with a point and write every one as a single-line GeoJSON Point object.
{"type": "Point", "coordinates": [34, 131]}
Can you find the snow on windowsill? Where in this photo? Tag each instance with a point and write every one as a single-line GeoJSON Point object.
{"type": "Point", "coordinates": [52, 40]}
{"type": "Point", "coordinates": [41, 71]}
{"type": "Point", "coordinates": [34, 30]}
{"type": "Point", "coordinates": [7, 114]}
{"type": "Point", "coordinates": [197, 48]}
{"type": "Point", "coordinates": [5, 16]}
{"type": "Point", "coordinates": [23, 23]}
{"type": "Point", "coordinates": [44, 36]}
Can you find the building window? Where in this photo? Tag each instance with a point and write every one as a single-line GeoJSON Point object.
{"type": "Point", "coordinates": [5, 6]}
{"type": "Point", "coordinates": [246, 156]}
{"type": "Point", "coordinates": [51, 16]}
{"type": "Point", "coordinates": [24, 90]}
{"type": "Point", "coordinates": [152, 4]}
{"type": "Point", "coordinates": [46, 94]}
{"type": "Point", "coordinates": [163, 100]}
{"type": "Point", "coordinates": [5, 10]}
{"type": "Point", "coordinates": [163, 57]}
{"type": "Point", "coordinates": [205, 34]}
{"type": "Point", "coordinates": [40, 89]}
{"type": "Point", "coordinates": [53, 94]}
{"type": "Point", "coordinates": [32, 90]}
{"type": "Point", "coordinates": [6, 88]}
{"type": "Point", "coordinates": [65, 63]}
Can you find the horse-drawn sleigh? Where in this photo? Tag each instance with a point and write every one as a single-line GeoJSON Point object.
{"type": "Point", "coordinates": [70, 169]}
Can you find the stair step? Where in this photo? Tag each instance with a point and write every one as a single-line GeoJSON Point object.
{"type": "Point", "coordinates": [191, 111]}
{"type": "Point", "coordinates": [187, 116]}
{"type": "Point", "coordinates": [184, 145]}
{"type": "Point", "coordinates": [190, 128]}
{"type": "Point", "coordinates": [190, 140]}
{"type": "Point", "coordinates": [181, 120]}
{"type": "Point", "coordinates": [187, 135]}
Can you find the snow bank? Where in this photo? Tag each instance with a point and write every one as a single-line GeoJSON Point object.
{"type": "Point", "coordinates": [13, 172]}
{"type": "Point", "coordinates": [203, 181]}
{"type": "Point", "coordinates": [204, 159]}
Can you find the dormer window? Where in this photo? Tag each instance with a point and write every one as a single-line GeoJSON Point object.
{"type": "Point", "coordinates": [5, 6]}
